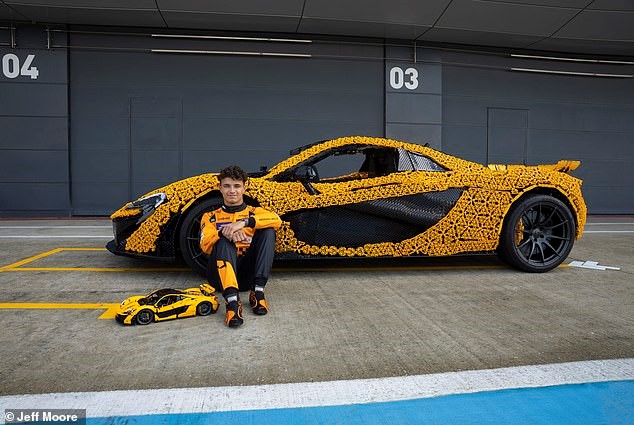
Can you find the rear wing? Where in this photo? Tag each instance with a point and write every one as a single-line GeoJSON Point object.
{"type": "Point", "coordinates": [207, 289]}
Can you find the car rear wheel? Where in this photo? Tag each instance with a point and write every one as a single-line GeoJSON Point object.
{"type": "Point", "coordinates": [144, 317]}
{"type": "Point", "coordinates": [538, 234]}
{"type": "Point", "coordinates": [204, 308]}
{"type": "Point", "coordinates": [189, 235]}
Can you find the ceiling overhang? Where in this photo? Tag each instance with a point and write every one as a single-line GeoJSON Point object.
{"type": "Point", "coordinates": [588, 27]}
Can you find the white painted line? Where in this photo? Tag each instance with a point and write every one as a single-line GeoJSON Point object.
{"type": "Point", "coordinates": [52, 236]}
{"type": "Point", "coordinates": [609, 224]}
{"type": "Point", "coordinates": [591, 265]}
{"type": "Point", "coordinates": [333, 393]}
{"type": "Point", "coordinates": [608, 231]}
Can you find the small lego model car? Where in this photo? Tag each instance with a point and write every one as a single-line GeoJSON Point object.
{"type": "Point", "coordinates": [165, 304]}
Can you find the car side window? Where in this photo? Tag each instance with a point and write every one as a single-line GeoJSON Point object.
{"type": "Point", "coordinates": [340, 166]}
{"type": "Point", "coordinates": [166, 300]}
{"type": "Point", "coordinates": [413, 161]}
{"type": "Point", "coordinates": [354, 163]}
{"type": "Point", "coordinates": [351, 162]}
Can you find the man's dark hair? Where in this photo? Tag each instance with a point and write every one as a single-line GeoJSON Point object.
{"type": "Point", "coordinates": [233, 172]}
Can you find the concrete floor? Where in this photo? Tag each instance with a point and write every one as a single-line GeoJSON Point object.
{"type": "Point", "coordinates": [327, 321]}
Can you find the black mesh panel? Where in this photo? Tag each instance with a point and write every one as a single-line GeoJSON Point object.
{"type": "Point", "coordinates": [382, 220]}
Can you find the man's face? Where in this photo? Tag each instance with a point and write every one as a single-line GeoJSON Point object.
{"type": "Point", "coordinates": [232, 191]}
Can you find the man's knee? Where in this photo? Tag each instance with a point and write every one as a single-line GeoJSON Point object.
{"type": "Point", "coordinates": [267, 235]}
{"type": "Point", "coordinates": [225, 249]}
{"type": "Point", "coordinates": [225, 243]}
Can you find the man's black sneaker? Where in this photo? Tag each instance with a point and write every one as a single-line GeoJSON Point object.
{"type": "Point", "coordinates": [258, 303]}
{"type": "Point", "coordinates": [233, 316]}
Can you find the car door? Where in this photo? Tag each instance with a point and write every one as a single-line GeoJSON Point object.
{"type": "Point", "coordinates": [357, 195]}
{"type": "Point", "coordinates": [170, 306]}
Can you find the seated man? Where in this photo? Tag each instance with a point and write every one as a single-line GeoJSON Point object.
{"type": "Point", "coordinates": [240, 241]}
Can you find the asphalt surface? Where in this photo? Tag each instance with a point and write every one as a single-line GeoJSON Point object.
{"type": "Point", "coordinates": [328, 321]}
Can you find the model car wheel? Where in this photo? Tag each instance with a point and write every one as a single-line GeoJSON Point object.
{"type": "Point", "coordinates": [204, 308]}
{"type": "Point", "coordinates": [189, 235]}
{"type": "Point", "coordinates": [538, 234]}
{"type": "Point", "coordinates": [144, 317]}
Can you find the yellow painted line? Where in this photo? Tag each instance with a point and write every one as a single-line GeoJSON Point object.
{"type": "Point", "coordinates": [16, 267]}
{"type": "Point", "coordinates": [45, 305]}
{"type": "Point", "coordinates": [277, 270]}
{"type": "Point", "coordinates": [108, 314]}
{"type": "Point", "coordinates": [98, 269]}
{"type": "Point", "coordinates": [45, 254]}
{"type": "Point", "coordinates": [31, 259]}
{"type": "Point", "coordinates": [83, 249]}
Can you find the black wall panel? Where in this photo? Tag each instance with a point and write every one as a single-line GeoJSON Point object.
{"type": "Point", "coordinates": [568, 117]}
{"type": "Point", "coordinates": [141, 119]}
{"type": "Point", "coordinates": [34, 178]}
{"type": "Point", "coordinates": [413, 96]}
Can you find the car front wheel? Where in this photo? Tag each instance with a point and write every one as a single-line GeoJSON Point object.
{"type": "Point", "coordinates": [538, 234]}
{"type": "Point", "coordinates": [144, 317]}
{"type": "Point", "coordinates": [189, 235]}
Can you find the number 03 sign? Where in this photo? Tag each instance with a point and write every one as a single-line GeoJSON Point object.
{"type": "Point", "coordinates": [400, 78]}
{"type": "Point", "coordinates": [11, 67]}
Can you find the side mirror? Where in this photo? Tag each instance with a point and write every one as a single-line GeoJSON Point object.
{"type": "Point", "coordinates": [306, 174]}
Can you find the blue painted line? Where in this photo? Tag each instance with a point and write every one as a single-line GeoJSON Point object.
{"type": "Point", "coordinates": [609, 403]}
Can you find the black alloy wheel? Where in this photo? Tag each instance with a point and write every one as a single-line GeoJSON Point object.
{"type": "Point", "coordinates": [144, 317]}
{"type": "Point", "coordinates": [189, 234]}
{"type": "Point", "coordinates": [204, 308]}
{"type": "Point", "coordinates": [538, 234]}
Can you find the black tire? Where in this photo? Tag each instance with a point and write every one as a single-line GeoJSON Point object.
{"type": "Point", "coordinates": [205, 308]}
{"type": "Point", "coordinates": [189, 234]}
{"type": "Point", "coordinates": [538, 234]}
{"type": "Point", "coordinates": [144, 317]}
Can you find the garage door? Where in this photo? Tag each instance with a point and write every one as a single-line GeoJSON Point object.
{"type": "Point", "coordinates": [496, 116]}
{"type": "Point", "coordinates": [141, 119]}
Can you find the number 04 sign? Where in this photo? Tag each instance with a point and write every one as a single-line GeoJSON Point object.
{"type": "Point", "coordinates": [11, 67]}
{"type": "Point", "coordinates": [400, 78]}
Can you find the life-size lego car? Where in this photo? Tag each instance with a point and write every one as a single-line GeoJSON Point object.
{"type": "Point", "coordinates": [166, 304]}
{"type": "Point", "coordinates": [375, 197]}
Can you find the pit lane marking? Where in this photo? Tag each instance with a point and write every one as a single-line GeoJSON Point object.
{"type": "Point", "coordinates": [10, 267]}
{"type": "Point", "coordinates": [608, 231]}
{"type": "Point", "coordinates": [125, 406]}
{"type": "Point", "coordinates": [610, 224]}
{"type": "Point", "coordinates": [54, 237]}
{"type": "Point", "coordinates": [594, 265]}
{"type": "Point", "coordinates": [17, 266]}
{"type": "Point", "coordinates": [30, 259]}
{"type": "Point", "coordinates": [108, 314]}
{"type": "Point", "coordinates": [98, 269]}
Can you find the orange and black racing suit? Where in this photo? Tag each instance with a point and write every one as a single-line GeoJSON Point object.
{"type": "Point", "coordinates": [239, 265]}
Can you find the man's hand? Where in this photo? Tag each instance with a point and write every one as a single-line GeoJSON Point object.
{"type": "Point", "coordinates": [234, 232]}
{"type": "Point", "coordinates": [240, 236]}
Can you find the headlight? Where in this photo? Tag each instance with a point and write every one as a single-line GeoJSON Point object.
{"type": "Point", "coordinates": [152, 201]}
{"type": "Point", "coordinates": [148, 205]}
